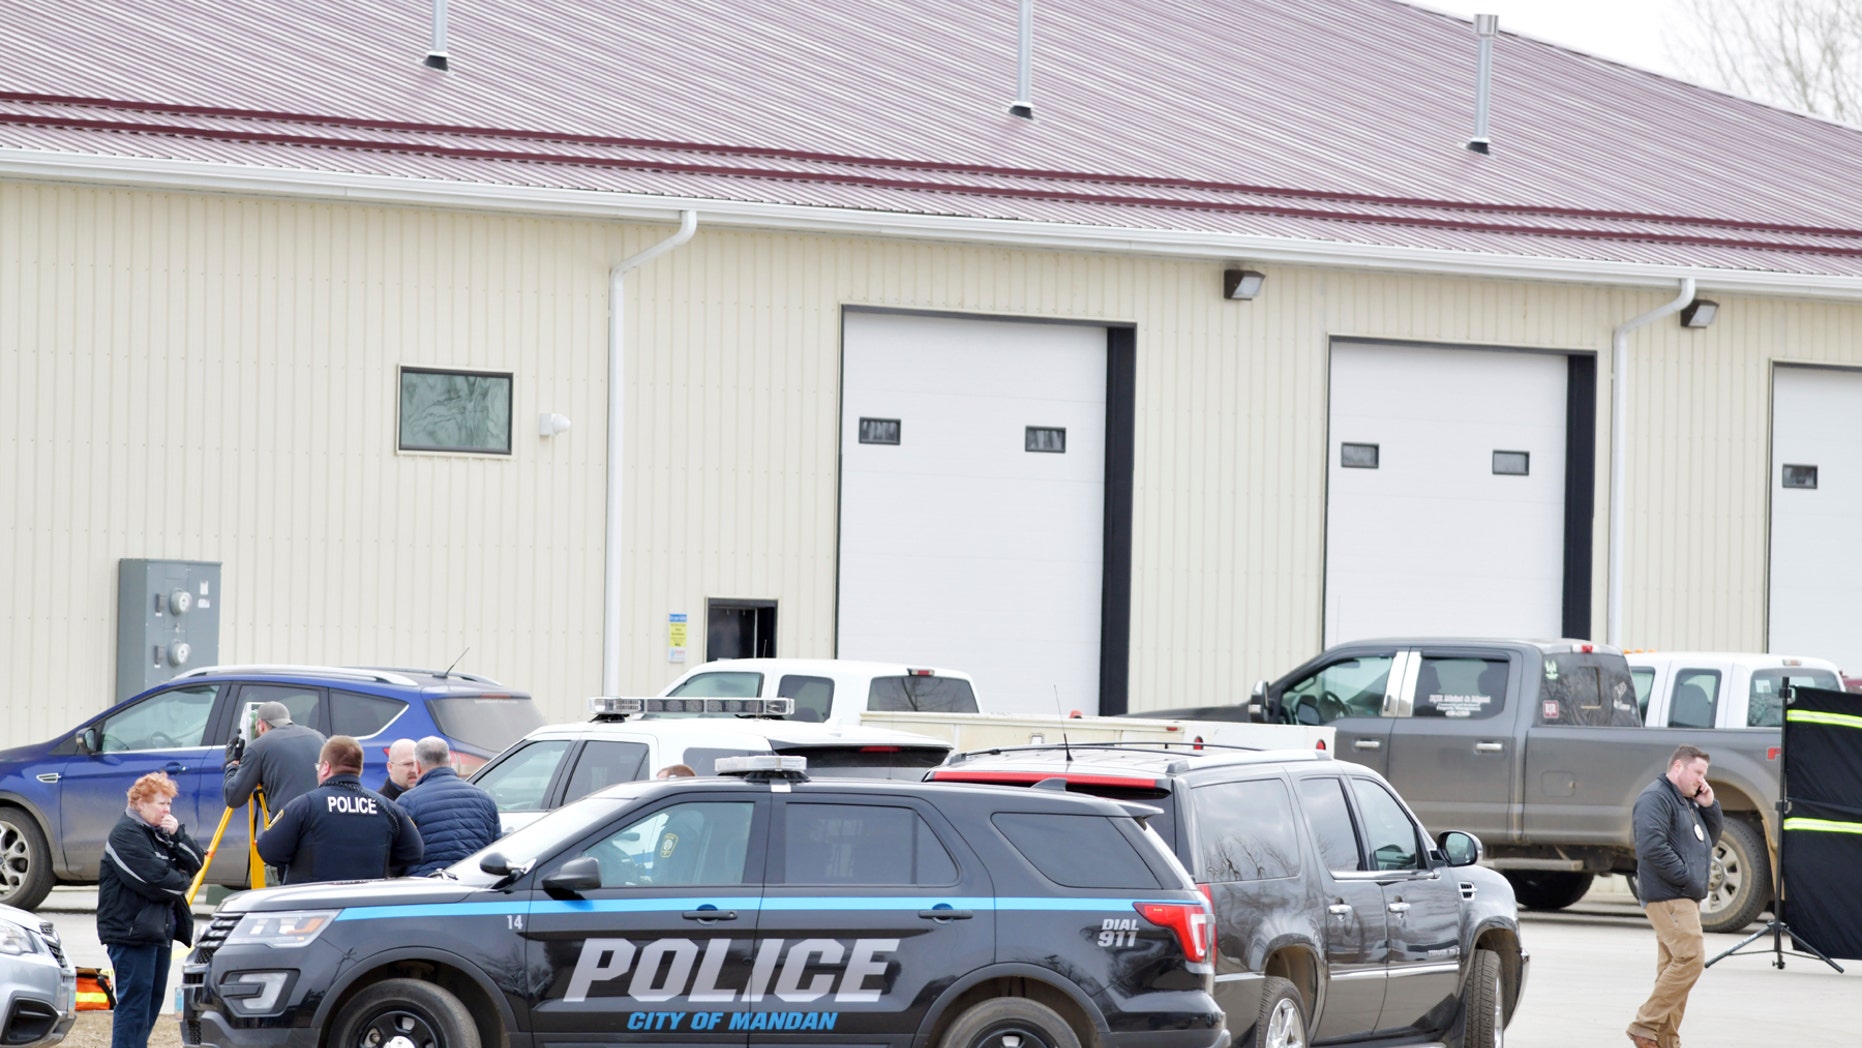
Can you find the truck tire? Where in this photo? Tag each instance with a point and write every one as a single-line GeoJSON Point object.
{"type": "Point", "coordinates": [1739, 884]}
{"type": "Point", "coordinates": [1005, 1022]}
{"type": "Point", "coordinates": [25, 861]}
{"type": "Point", "coordinates": [1548, 889]}
{"type": "Point", "coordinates": [416, 1013]}
{"type": "Point", "coordinates": [1282, 1022]}
{"type": "Point", "coordinates": [1484, 1007]}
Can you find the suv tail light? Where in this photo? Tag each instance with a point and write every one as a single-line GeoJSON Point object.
{"type": "Point", "coordinates": [1193, 923]}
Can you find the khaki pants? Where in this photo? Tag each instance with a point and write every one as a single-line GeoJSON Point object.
{"type": "Point", "coordinates": [1679, 956]}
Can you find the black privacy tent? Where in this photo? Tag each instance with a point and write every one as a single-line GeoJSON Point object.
{"type": "Point", "coordinates": [1822, 846]}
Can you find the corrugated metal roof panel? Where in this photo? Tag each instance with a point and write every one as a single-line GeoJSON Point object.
{"type": "Point", "coordinates": [1338, 120]}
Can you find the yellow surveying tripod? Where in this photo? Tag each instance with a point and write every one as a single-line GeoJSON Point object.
{"type": "Point", "coordinates": [258, 817]}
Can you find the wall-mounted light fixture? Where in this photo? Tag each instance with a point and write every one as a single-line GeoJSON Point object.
{"type": "Point", "coordinates": [550, 423]}
{"type": "Point", "coordinates": [1699, 313]}
{"type": "Point", "coordinates": [1242, 284]}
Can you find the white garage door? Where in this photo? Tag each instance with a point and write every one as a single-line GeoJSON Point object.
{"type": "Point", "coordinates": [959, 546]}
{"type": "Point", "coordinates": [1433, 530]}
{"type": "Point", "coordinates": [1816, 557]}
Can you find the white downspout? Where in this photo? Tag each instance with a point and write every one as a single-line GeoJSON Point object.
{"type": "Point", "coordinates": [617, 396]}
{"type": "Point", "coordinates": [1619, 446]}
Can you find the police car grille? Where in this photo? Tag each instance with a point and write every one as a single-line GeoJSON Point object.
{"type": "Point", "coordinates": [216, 933]}
{"type": "Point", "coordinates": [190, 1032]}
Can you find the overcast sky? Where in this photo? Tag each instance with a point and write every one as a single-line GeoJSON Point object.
{"type": "Point", "coordinates": [1631, 31]}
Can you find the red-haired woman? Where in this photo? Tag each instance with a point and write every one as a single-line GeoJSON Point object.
{"type": "Point", "coordinates": [142, 904]}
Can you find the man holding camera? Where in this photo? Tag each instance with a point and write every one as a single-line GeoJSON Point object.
{"type": "Point", "coordinates": [1677, 822]}
{"type": "Point", "coordinates": [282, 760]}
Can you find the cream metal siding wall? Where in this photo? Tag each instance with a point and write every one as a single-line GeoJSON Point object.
{"type": "Point", "coordinates": [213, 378]}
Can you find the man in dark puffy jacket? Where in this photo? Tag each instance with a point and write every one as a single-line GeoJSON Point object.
{"type": "Point", "coordinates": [340, 831]}
{"type": "Point", "coordinates": [142, 886]}
{"type": "Point", "coordinates": [1677, 822]}
{"type": "Point", "coordinates": [455, 817]}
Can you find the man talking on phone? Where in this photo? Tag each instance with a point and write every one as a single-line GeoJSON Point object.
{"type": "Point", "coordinates": [1677, 823]}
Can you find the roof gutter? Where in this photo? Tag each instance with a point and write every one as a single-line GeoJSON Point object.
{"type": "Point", "coordinates": [1619, 446]}
{"type": "Point", "coordinates": [617, 404]}
{"type": "Point", "coordinates": [194, 176]}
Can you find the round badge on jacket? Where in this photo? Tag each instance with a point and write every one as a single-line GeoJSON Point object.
{"type": "Point", "coordinates": [1699, 834]}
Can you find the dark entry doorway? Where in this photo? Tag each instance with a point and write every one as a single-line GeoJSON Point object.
{"type": "Point", "coordinates": [740, 629]}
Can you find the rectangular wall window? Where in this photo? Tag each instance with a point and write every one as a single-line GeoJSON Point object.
{"type": "Point", "coordinates": [455, 411]}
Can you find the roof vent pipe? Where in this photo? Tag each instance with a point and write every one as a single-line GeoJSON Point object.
{"type": "Point", "coordinates": [1023, 106]}
{"type": "Point", "coordinates": [436, 54]}
{"type": "Point", "coordinates": [1485, 26]}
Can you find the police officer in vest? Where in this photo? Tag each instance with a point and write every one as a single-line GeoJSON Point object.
{"type": "Point", "coordinates": [340, 831]}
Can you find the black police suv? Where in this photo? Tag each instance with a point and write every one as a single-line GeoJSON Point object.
{"type": "Point", "coordinates": [1337, 918]}
{"type": "Point", "coordinates": [754, 909]}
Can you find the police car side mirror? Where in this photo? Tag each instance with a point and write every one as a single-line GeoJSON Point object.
{"type": "Point", "coordinates": [578, 875]}
{"type": "Point", "coordinates": [495, 864]}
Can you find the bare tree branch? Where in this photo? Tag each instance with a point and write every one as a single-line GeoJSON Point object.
{"type": "Point", "coordinates": [1806, 54]}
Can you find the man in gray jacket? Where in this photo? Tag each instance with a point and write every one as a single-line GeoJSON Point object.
{"type": "Point", "coordinates": [282, 760]}
{"type": "Point", "coordinates": [1677, 822]}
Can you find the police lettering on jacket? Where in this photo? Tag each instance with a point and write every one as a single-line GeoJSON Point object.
{"type": "Point", "coordinates": [352, 804]}
{"type": "Point", "coordinates": [664, 969]}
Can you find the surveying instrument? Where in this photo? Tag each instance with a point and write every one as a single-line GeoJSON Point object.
{"type": "Point", "coordinates": [258, 816]}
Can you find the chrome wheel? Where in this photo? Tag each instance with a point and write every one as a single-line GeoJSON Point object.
{"type": "Point", "coordinates": [1286, 1027]}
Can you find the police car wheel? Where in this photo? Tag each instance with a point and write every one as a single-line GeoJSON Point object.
{"type": "Point", "coordinates": [404, 1013]}
{"type": "Point", "coordinates": [1010, 1022]}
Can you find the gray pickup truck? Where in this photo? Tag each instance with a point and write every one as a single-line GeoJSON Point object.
{"type": "Point", "coordinates": [1537, 747]}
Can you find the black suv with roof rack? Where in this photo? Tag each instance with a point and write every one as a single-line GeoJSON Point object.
{"type": "Point", "coordinates": [760, 909]}
{"type": "Point", "coordinates": [1337, 919]}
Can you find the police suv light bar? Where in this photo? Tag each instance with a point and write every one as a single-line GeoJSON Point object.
{"type": "Point", "coordinates": [764, 766]}
{"type": "Point", "coordinates": [615, 706]}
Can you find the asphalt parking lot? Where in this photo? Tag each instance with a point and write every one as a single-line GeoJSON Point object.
{"type": "Point", "coordinates": [1591, 967]}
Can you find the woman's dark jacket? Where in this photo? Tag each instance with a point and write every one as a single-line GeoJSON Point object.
{"type": "Point", "coordinates": [142, 887]}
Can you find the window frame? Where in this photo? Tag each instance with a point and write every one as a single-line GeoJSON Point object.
{"type": "Point", "coordinates": [401, 446]}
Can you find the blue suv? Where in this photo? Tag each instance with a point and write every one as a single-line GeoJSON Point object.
{"type": "Point", "coordinates": [60, 799]}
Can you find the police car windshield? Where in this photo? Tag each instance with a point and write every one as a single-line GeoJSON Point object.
{"type": "Point", "coordinates": [523, 847]}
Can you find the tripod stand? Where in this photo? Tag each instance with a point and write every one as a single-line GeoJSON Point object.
{"type": "Point", "coordinates": [1776, 927]}
{"type": "Point", "coordinates": [255, 812]}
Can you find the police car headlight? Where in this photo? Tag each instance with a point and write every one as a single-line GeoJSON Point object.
{"type": "Point", "coordinates": [254, 993]}
{"type": "Point", "coordinates": [288, 928]}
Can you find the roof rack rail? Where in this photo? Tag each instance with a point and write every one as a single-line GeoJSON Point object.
{"type": "Point", "coordinates": [474, 678]}
{"type": "Point", "coordinates": [1174, 749]}
{"type": "Point", "coordinates": [345, 672]}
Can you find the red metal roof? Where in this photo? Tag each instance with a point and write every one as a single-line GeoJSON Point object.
{"type": "Point", "coordinates": [1337, 121]}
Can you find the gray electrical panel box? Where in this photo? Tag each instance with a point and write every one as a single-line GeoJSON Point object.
{"type": "Point", "coordinates": [167, 621]}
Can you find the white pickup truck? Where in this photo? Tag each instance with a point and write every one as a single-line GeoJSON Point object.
{"type": "Point", "coordinates": [942, 703]}
{"type": "Point", "coordinates": [1721, 689]}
